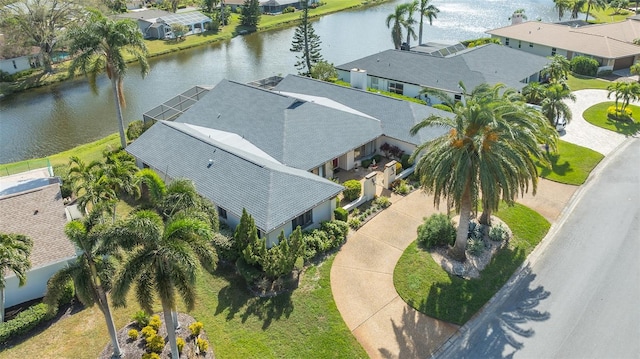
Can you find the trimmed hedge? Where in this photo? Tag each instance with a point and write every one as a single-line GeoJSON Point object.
{"type": "Point", "coordinates": [583, 65]}
{"type": "Point", "coordinates": [352, 190]}
{"type": "Point", "coordinates": [341, 214]}
{"type": "Point", "coordinates": [25, 321]}
{"type": "Point", "coordinates": [437, 230]}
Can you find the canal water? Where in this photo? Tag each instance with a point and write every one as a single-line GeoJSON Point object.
{"type": "Point", "coordinates": [48, 120]}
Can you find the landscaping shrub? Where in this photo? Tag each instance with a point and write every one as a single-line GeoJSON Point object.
{"type": "Point", "coordinates": [135, 129]}
{"type": "Point", "coordinates": [442, 107]}
{"type": "Point", "coordinates": [437, 230]}
{"type": "Point", "coordinates": [398, 167]}
{"type": "Point", "coordinates": [400, 187]}
{"type": "Point", "coordinates": [404, 160]}
{"type": "Point", "coordinates": [202, 344]}
{"type": "Point", "coordinates": [247, 271]}
{"type": "Point", "coordinates": [133, 334]}
{"type": "Point", "coordinates": [148, 331]}
{"type": "Point", "coordinates": [475, 246]}
{"type": "Point", "coordinates": [377, 157]}
{"type": "Point", "coordinates": [180, 344]}
{"type": "Point", "coordinates": [155, 343]}
{"type": "Point", "coordinates": [196, 328]}
{"type": "Point", "coordinates": [341, 214]}
{"type": "Point", "coordinates": [224, 247]}
{"type": "Point", "coordinates": [25, 321]}
{"type": "Point", "coordinates": [382, 202]}
{"type": "Point", "coordinates": [288, 9]}
{"type": "Point", "coordinates": [150, 356]}
{"type": "Point", "coordinates": [331, 234]}
{"type": "Point", "coordinates": [155, 322]}
{"type": "Point", "coordinates": [617, 114]}
{"type": "Point", "coordinates": [583, 65]}
{"type": "Point", "coordinates": [68, 293]}
{"type": "Point", "coordinates": [498, 233]}
{"type": "Point", "coordinates": [141, 318]}
{"type": "Point", "coordinates": [354, 223]}
{"type": "Point", "coordinates": [352, 190]}
{"type": "Point", "coordinates": [366, 163]}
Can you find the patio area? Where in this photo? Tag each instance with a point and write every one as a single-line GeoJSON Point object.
{"type": "Point", "coordinates": [360, 173]}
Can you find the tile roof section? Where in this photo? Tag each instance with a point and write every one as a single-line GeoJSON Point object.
{"type": "Point", "coordinates": [39, 214]}
{"type": "Point", "coordinates": [273, 193]}
{"type": "Point", "coordinates": [609, 41]}
{"type": "Point", "coordinates": [396, 116]}
{"type": "Point", "coordinates": [295, 132]}
{"type": "Point", "coordinates": [490, 63]}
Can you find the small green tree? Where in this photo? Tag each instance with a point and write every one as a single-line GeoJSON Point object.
{"type": "Point", "coordinates": [583, 65]}
{"type": "Point", "coordinates": [246, 232]}
{"type": "Point", "coordinates": [250, 14]}
{"type": "Point", "coordinates": [324, 71]}
{"type": "Point", "coordinates": [179, 30]}
{"type": "Point", "coordinates": [635, 70]}
{"type": "Point", "coordinates": [307, 43]}
{"type": "Point", "coordinates": [15, 250]}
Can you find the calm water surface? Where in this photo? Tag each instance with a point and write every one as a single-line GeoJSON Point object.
{"type": "Point", "coordinates": [48, 120]}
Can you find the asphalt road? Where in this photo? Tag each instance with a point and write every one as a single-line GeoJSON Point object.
{"type": "Point", "coordinates": [579, 297]}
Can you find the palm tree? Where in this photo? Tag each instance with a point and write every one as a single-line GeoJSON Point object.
{"type": "Point", "coordinates": [398, 19]}
{"type": "Point", "coordinates": [534, 93]}
{"type": "Point", "coordinates": [635, 69]}
{"type": "Point", "coordinates": [558, 69]}
{"type": "Point", "coordinates": [91, 273]}
{"type": "Point", "coordinates": [99, 46]}
{"type": "Point", "coordinates": [562, 6]}
{"type": "Point", "coordinates": [576, 7]}
{"type": "Point", "coordinates": [486, 151]}
{"type": "Point", "coordinates": [15, 250]}
{"type": "Point", "coordinates": [164, 260]}
{"type": "Point", "coordinates": [553, 106]}
{"type": "Point", "coordinates": [596, 4]}
{"type": "Point", "coordinates": [624, 92]}
{"type": "Point", "coordinates": [409, 21]}
{"type": "Point", "coordinates": [430, 12]}
{"type": "Point", "coordinates": [90, 184]}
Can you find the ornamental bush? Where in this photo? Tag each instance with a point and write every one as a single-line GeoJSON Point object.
{"type": "Point", "coordinates": [196, 328]}
{"type": "Point", "coordinates": [202, 344]}
{"type": "Point", "coordinates": [141, 318]}
{"type": "Point", "coordinates": [583, 65]}
{"type": "Point", "coordinates": [155, 343]}
{"type": "Point", "coordinates": [148, 331]}
{"type": "Point", "coordinates": [288, 9]}
{"type": "Point", "coordinates": [25, 321]}
{"type": "Point", "coordinates": [135, 129]}
{"type": "Point", "coordinates": [133, 334]}
{"type": "Point", "coordinates": [155, 322]}
{"type": "Point", "coordinates": [617, 114]}
{"type": "Point", "coordinates": [405, 161]}
{"type": "Point", "coordinates": [341, 214]}
{"type": "Point", "coordinates": [150, 356]}
{"type": "Point", "coordinates": [382, 202]}
{"type": "Point", "coordinates": [352, 190]}
{"type": "Point", "coordinates": [498, 233]}
{"type": "Point", "coordinates": [437, 230]}
{"type": "Point", "coordinates": [180, 344]}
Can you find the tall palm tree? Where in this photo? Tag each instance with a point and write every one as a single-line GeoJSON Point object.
{"type": "Point", "coordinates": [534, 93]}
{"type": "Point", "coordinates": [430, 12]}
{"type": "Point", "coordinates": [410, 22]}
{"type": "Point", "coordinates": [100, 45]}
{"type": "Point", "coordinates": [15, 250]}
{"type": "Point", "coordinates": [90, 184]}
{"type": "Point", "coordinates": [562, 6]}
{"type": "Point", "coordinates": [164, 260]}
{"type": "Point", "coordinates": [554, 106]}
{"type": "Point", "coordinates": [576, 7]}
{"type": "Point", "coordinates": [398, 19]}
{"type": "Point", "coordinates": [558, 69]}
{"type": "Point", "coordinates": [484, 152]}
{"type": "Point", "coordinates": [624, 92]}
{"type": "Point", "coordinates": [596, 4]}
{"type": "Point", "coordinates": [91, 273]}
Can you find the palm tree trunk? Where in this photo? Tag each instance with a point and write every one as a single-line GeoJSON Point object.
{"type": "Point", "coordinates": [113, 333]}
{"type": "Point", "coordinates": [420, 34]}
{"type": "Point", "coordinates": [458, 250]}
{"type": "Point", "coordinates": [174, 317]}
{"type": "Point", "coordinates": [588, 8]}
{"type": "Point", "coordinates": [2, 305]}
{"type": "Point", "coordinates": [116, 98]}
{"type": "Point", "coordinates": [171, 333]}
{"type": "Point", "coordinates": [485, 218]}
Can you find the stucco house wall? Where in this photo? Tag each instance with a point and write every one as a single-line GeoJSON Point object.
{"type": "Point", "coordinates": [36, 285]}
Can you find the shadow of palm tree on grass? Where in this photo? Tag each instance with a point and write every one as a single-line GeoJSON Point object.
{"type": "Point", "coordinates": [560, 169]}
{"type": "Point", "coordinates": [627, 128]}
{"type": "Point", "coordinates": [237, 300]}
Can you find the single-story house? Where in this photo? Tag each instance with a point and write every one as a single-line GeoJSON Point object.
{"type": "Point", "coordinates": [270, 6]}
{"type": "Point", "coordinates": [31, 204]}
{"type": "Point", "coordinates": [409, 72]}
{"type": "Point", "coordinates": [156, 24]}
{"type": "Point", "coordinates": [610, 44]}
{"type": "Point", "coordinates": [273, 152]}
{"type": "Point", "coordinates": [14, 60]}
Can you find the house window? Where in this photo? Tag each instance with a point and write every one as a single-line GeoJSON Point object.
{"type": "Point", "coordinates": [506, 41]}
{"type": "Point", "coordinates": [222, 213]}
{"type": "Point", "coordinates": [530, 44]}
{"type": "Point", "coordinates": [374, 82]}
{"type": "Point", "coordinates": [457, 97]}
{"type": "Point", "coordinates": [302, 220]}
{"type": "Point", "coordinates": [519, 44]}
{"type": "Point", "coordinates": [396, 88]}
{"type": "Point", "coordinates": [553, 51]}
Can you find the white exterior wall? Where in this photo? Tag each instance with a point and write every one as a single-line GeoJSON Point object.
{"type": "Point", "coordinates": [21, 64]}
{"type": "Point", "coordinates": [35, 287]}
{"type": "Point", "coordinates": [321, 213]}
{"type": "Point", "coordinates": [408, 148]}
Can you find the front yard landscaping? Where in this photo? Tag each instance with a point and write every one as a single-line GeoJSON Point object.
{"type": "Point", "coordinates": [571, 164]}
{"type": "Point", "coordinates": [424, 285]}
{"type": "Point", "coordinates": [597, 116]}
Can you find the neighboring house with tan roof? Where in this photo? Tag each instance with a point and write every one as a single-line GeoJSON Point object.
{"type": "Point", "coordinates": [610, 44]}
{"type": "Point", "coordinates": [34, 207]}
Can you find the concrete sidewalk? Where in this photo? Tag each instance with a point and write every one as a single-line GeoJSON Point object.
{"type": "Point", "coordinates": [362, 272]}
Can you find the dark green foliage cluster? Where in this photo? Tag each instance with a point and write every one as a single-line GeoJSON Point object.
{"type": "Point", "coordinates": [341, 214]}
{"type": "Point", "coordinates": [583, 65]}
{"type": "Point", "coordinates": [307, 43]}
{"type": "Point", "coordinates": [498, 233]}
{"type": "Point", "coordinates": [352, 190]}
{"type": "Point", "coordinates": [135, 129]}
{"type": "Point", "coordinates": [288, 9]}
{"type": "Point", "coordinates": [141, 318]}
{"type": "Point", "coordinates": [401, 187]}
{"type": "Point", "coordinates": [224, 245]}
{"type": "Point", "coordinates": [437, 230]}
{"type": "Point", "coordinates": [250, 14]}
{"type": "Point", "coordinates": [330, 235]}
{"type": "Point", "coordinates": [404, 160]}
{"type": "Point", "coordinates": [25, 321]}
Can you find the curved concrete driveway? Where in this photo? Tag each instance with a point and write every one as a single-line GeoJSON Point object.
{"type": "Point", "coordinates": [362, 272]}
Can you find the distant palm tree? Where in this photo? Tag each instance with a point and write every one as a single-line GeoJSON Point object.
{"type": "Point", "coordinates": [430, 12]}
{"type": "Point", "coordinates": [91, 273]}
{"type": "Point", "coordinates": [15, 250]}
{"type": "Point", "coordinates": [99, 46]}
{"type": "Point", "coordinates": [489, 149]}
{"type": "Point", "coordinates": [576, 7]}
{"type": "Point", "coordinates": [562, 6]}
{"type": "Point", "coordinates": [596, 4]}
{"type": "Point", "coordinates": [553, 105]}
{"type": "Point", "coordinates": [410, 22]}
{"type": "Point", "coordinates": [164, 260]}
{"type": "Point", "coordinates": [398, 19]}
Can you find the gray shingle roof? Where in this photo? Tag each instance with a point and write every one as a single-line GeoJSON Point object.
{"type": "Point", "coordinates": [296, 133]}
{"type": "Point", "coordinates": [273, 193]}
{"type": "Point", "coordinates": [396, 116]}
{"type": "Point", "coordinates": [491, 64]}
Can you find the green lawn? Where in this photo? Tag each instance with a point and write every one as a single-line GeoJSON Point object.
{"type": "Point", "coordinates": [571, 164]}
{"type": "Point", "coordinates": [597, 116]}
{"type": "Point", "coordinates": [607, 15]}
{"type": "Point", "coordinates": [425, 286]}
{"type": "Point", "coordinates": [578, 82]}
{"type": "Point", "coordinates": [304, 324]}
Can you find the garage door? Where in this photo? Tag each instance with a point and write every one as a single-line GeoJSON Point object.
{"type": "Point", "coordinates": [623, 63]}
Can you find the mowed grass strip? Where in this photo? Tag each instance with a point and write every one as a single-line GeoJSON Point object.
{"type": "Point", "coordinates": [597, 116]}
{"type": "Point", "coordinates": [301, 324]}
{"type": "Point", "coordinates": [571, 164]}
{"type": "Point", "coordinates": [579, 82]}
{"type": "Point", "coordinates": [425, 286]}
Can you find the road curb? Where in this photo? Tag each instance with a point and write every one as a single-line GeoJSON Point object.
{"type": "Point", "coordinates": [524, 268]}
